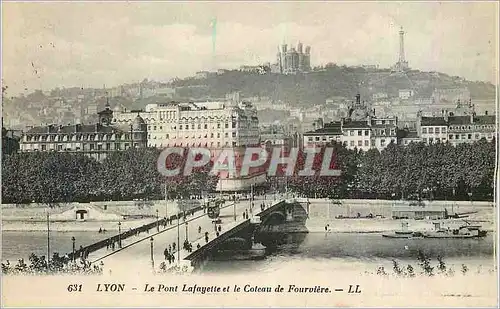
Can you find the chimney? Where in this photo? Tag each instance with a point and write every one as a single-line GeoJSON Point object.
{"type": "Point", "coordinates": [486, 113]}
{"type": "Point", "coordinates": [446, 115]}
{"type": "Point", "coordinates": [369, 120]}
{"type": "Point", "coordinates": [77, 127]}
{"type": "Point", "coordinates": [97, 127]}
{"type": "Point", "coordinates": [472, 118]}
{"type": "Point", "coordinates": [358, 99]}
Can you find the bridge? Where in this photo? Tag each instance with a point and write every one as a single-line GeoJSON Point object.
{"type": "Point", "coordinates": [140, 252]}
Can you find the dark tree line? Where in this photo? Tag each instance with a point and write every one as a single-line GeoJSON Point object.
{"type": "Point", "coordinates": [55, 177]}
{"type": "Point", "coordinates": [417, 171]}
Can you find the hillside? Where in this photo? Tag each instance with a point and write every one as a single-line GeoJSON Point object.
{"type": "Point", "coordinates": [315, 87]}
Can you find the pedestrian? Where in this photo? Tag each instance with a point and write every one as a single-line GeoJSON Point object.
{"type": "Point", "coordinates": [219, 228]}
{"type": "Point", "coordinates": [199, 229]}
{"type": "Point", "coordinates": [113, 246]}
{"type": "Point", "coordinates": [217, 234]}
{"type": "Point", "coordinates": [107, 245]}
{"type": "Point", "coordinates": [169, 248]}
{"type": "Point", "coordinates": [173, 245]}
{"type": "Point", "coordinates": [198, 246]}
{"type": "Point", "coordinates": [206, 238]}
{"type": "Point", "coordinates": [165, 253]}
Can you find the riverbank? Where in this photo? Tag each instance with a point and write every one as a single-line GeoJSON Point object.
{"type": "Point", "coordinates": [321, 213]}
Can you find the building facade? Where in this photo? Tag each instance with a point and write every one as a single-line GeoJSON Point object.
{"type": "Point", "coordinates": [213, 125]}
{"type": "Point", "coordinates": [456, 129]}
{"type": "Point", "coordinates": [95, 140]}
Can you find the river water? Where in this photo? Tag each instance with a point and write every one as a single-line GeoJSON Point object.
{"type": "Point", "coordinates": [347, 251]}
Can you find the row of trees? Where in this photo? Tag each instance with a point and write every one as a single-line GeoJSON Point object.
{"type": "Point", "coordinates": [438, 171]}
{"type": "Point", "coordinates": [55, 177]}
{"type": "Point", "coordinates": [417, 171]}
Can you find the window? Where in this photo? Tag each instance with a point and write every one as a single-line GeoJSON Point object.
{"type": "Point", "coordinates": [367, 143]}
{"type": "Point", "coordinates": [118, 146]}
{"type": "Point", "coordinates": [424, 130]}
{"type": "Point", "coordinates": [226, 135]}
{"type": "Point", "coordinates": [351, 132]}
{"type": "Point", "coordinates": [367, 132]}
{"type": "Point", "coordinates": [382, 142]}
{"type": "Point", "coordinates": [211, 135]}
{"type": "Point", "coordinates": [310, 139]}
{"type": "Point", "coordinates": [108, 146]}
{"type": "Point", "coordinates": [199, 126]}
{"type": "Point", "coordinates": [317, 138]}
{"type": "Point", "coordinates": [373, 143]}
{"type": "Point", "coordinates": [352, 143]}
{"type": "Point", "coordinates": [437, 130]}
{"type": "Point", "coordinates": [360, 132]}
{"type": "Point", "coordinates": [450, 136]}
{"type": "Point", "coordinates": [425, 140]}
{"type": "Point", "coordinates": [234, 124]}
{"type": "Point", "coordinates": [234, 134]}
{"type": "Point", "coordinates": [44, 147]}
{"type": "Point", "coordinates": [206, 126]}
{"type": "Point", "coordinates": [180, 127]}
{"type": "Point", "coordinates": [187, 127]}
{"type": "Point", "coordinates": [154, 128]}
{"type": "Point", "coordinates": [431, 130]}
{"type": "Point", "coordinates": [234, 144]}
{"type": "Point", "coordinates": [478, 136]}
{"type": "Point", "coordinates": [457, 136]}
{"type": "Point", "coordinates": [226, 125]}
{"type": "Point", "coordinates": [91, 146]}
{"type": "Point", "coordinates": [99, 147]}
{"type": "Point", "coordinates": [360, 143]}
{"type": "Point", "coordinates": [218, 135]}
{"type": "Point", "coordinates": [469, 136]}
{"type": "Point", "coordinates": [218, 126]}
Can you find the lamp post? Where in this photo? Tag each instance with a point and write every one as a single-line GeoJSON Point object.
{"type": "Point", "coordinates": [234, 208]}
{"type": "Point", "coordinates": [178, 237]}
{"type": "Point", "coordinates": [157, 222]}
{"type": "Point", "coordinates": [48, 239]}
{"type": "Point", "coordinates": [186, 224]}
{"type": "Point", "coordinates": [152, 258]}
{"type": "Point", "coordinates": [73, 240]}
{"type": "Point", "coordinates": [119, 235]}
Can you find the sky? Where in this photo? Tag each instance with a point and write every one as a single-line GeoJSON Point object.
{"type": "Point", "coordinates": [91, 44]}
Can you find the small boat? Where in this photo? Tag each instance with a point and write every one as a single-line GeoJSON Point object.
{"type": "Point", "coordinates": [404, 234]}
{"type": "Point", "coordinates": [464, 231]}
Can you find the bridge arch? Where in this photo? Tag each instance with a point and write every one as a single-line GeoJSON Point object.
{"type": "Point", "coordinates": [276, 217]}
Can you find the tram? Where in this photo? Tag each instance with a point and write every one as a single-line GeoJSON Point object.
{"type": "Point", "coordinates": [213, 208]}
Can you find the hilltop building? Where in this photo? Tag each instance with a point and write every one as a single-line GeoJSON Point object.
{"type": "Point", "coordinates": [292, 61]}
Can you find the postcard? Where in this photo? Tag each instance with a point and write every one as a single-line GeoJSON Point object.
{"type": "Point", "coordinates": [249, 154]}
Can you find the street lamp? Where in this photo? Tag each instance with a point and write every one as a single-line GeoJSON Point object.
{"type": "Point", "coordinates": [157, 222]}
{"type": "Point", "coordinates": [152, 259]}
{"type": "Point", "coordinates": [119, 235]}
{"type": "Point", "coordinates": [186, 224]}
{"type": "Point", "coordinates": [234, 208]}
{"type": "Point", "coordinates": [73, 240]}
